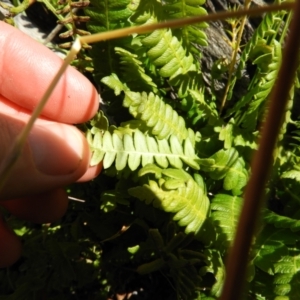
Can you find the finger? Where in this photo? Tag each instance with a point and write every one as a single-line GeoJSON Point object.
{"type": "Point", "coordinates": [10, 246]}
{"type": "Point", "coordinates": [91, 173]}
{"type": "Point", "coordinates": [55, 155]}
{"type": "Point", "coordinates": [27, 68]}
{"type": "Point", "coordinates": [43, 208]}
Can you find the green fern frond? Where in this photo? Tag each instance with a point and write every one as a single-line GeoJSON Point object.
{"type": "Point", "coordinates": [225, 213]}
{"type": "Point", "coordinates": [292, 174]}
{"type": "Point", "coordinates": [209, 109]}
{"type": "Point", "coordinates": [105, 16]}
{"type": "Point", "coordinates": [281, 221]}
{"type": "Point", "coordinates": [263, 32]}
{"type": "Point", "coordinates": [133, 72]}
{"type": "Point", "coordinates": [287, 275]}
{"type": "Point", "coordinates": [269, 77]}
{"type": "Point", "coordinates": [268, 64]}
{"type": "Point", "coordinates": [139, 148]}
{"type": "Point", "coordinates": [287, 113]}
{"type": "Point", "coordinates": [215, 266]}
{"type": "Point", "coordinates": [159, 116]}
{"type": "Point", "coordinates": [175, 192]}
{"type": "Point", "coordinates": [230, 167]}
{"type": "Point", "coordinates": [187, 8]}
{"type": "Point", "coordinates": [167, 54]}
{"type": "Point", "coordinates": [271, 246]}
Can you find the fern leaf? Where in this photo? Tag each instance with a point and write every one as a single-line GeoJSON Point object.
{"type": "Point", "coordinates": [259, 89]}
{"type": "Point", "coordinates": [215, 266]}
{"type": "Point", "coordinates": [158, 115]}
{"type": "Point", "coordinates": [264, 30]}
{"type": "Point", "coordinates": [292, 174]}
{"type": "Point", "coordinates": [187, 8]}
{"type": "Point", "coordinates": [208, 108]}
{"type": "Point", "coordinates": [230, 167]}
{"type": "Point", "coordinates": [167, 53]}
{"type": "Point", "coordinates": [225, 213]}
{"type": "Point", "coordinates": [136, 149]}
{"type": "Point", "coordinates": [271, 247]}
{"type": "Point", "coordinates": [133, 72]}
{"type": "Point", "coordinates": [287, 275]}
{"type": "Point", "coordinates": [114, 83]}
{"type": "Point", "coordinates": [176, 193]}
{"type": "Point", "coordinates": [105, 16]}
{"type": "Point", "coordinates": [281, 221]}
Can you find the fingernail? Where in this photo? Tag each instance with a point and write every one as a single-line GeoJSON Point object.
{"type": "Point", "coordinates": [56, 149]}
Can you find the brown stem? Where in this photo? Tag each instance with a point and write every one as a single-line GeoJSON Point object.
{"type": "Point", "coordinates": [261, 165]}
{"type": "Point", "coordinates": [118, 33]}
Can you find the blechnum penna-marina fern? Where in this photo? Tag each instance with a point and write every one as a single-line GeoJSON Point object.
{"type": "Point", "coordinates": [197, 173]}
{"type": "Point", "coordinates": [174, 167]}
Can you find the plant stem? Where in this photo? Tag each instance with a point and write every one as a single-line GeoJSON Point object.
{"type": "Point", "coordinates": [261, 165]}
{"type": "Point", "coordinates": [234, 56]}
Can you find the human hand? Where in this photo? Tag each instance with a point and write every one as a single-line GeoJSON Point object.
{"type": "Point", "coordinates": [56, 154]}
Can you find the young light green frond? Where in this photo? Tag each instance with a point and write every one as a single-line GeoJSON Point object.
{"type": "Point", "coordinates": [175, 192]}
{"type": "Point", "coordinates": [209, 109]}
{"type": "Point", "coordinates": [114, 83]}
{"type": "Point", "coordinates": [133, 73]}
{"type": "Point", "coordinates": [292, 174]}
{"type": "Point", "coordinates": [225, 213]}
{"type": "Point", "coordinates": [167, 54]}
{"type": "Point", "coordinates": [139, 149]}
{"type": "Point", "coordinates": [186, 8]}
{"type": "Point", "coordinates": [159, 116]}
{"type": "Point", "coordinates": [230, 167]}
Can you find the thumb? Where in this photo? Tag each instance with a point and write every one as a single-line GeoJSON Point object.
{"type": "Point", "coordinates": [10, 246]}
{"type": "Point", "coordinates": [54, 155]}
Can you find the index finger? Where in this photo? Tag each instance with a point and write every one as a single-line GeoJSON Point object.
{"type": "Point", "coordinates": [26, 70]}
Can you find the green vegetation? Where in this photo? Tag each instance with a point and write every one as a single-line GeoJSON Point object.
{"type": "Point", "coordinates": [159, 219]}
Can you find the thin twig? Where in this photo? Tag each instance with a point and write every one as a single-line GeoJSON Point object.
{"type": "Point", "coordinates": [261, 165]}
{"type": "Point", "coordinates": [234, 56]}
{"type": "Point", "coordinates": [114, 34]}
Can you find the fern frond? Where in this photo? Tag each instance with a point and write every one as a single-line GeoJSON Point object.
{"type": "Point", "coordinates": [166, 53]}
{"type": "Point", "coordinates": [268, 64]}
{"type": "Point", "coordinates": [159, 116]}
{"type": "Point", "coordinates": [175, 192]}
{"type": "Point", "coordinates": [209, 109]}
{"type": "Point", "coordinates": [264, 30]}
{"type": "Point", "coordinates": [230, 167]}
{"type": "Point", "coordinates": [215, 266]}
{"type": "Point", "coordinates": [267, 80]}
{"type": "Point", "coordinates": [185, 8]}
{"type": "Point", "coordinates": [287, 275]}
{"type": "Point", "coordinates": [105, 16]}
{"type": "Point", "coordinates": [225, 213]}
{"type": "Point", "coordinates": [271, 246]}
{"type": "Point", "coordinates": [139, 148]}
{"type": "Point", "coordinates": [281, 221]}
{"type": "Point", "coordinates": [133, 73]}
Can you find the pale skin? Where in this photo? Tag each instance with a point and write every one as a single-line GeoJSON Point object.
{"type": "Point", "coordinates": [56, 153]}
